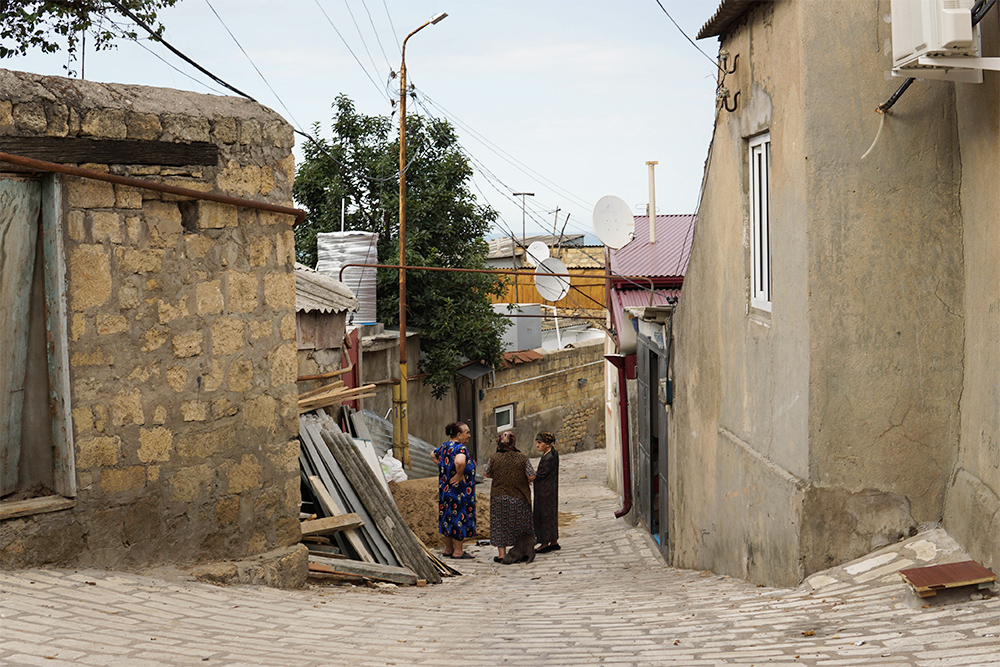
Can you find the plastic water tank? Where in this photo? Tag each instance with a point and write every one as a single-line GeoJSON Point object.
{"type": "Point", "coordinates": [337, 249]}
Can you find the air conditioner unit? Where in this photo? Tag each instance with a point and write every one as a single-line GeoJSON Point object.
{"type": "Point", "coordinates": [931, 37]}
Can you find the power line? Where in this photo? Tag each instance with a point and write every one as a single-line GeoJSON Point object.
{"type": "Point", "coordinates": [348, 47]}
{"type": "Point", "coordinates": [710, 59]}
{"type": "Point", "coordinates": [360, 35]}
{"type": "Point", "coordinates": [375, 30]}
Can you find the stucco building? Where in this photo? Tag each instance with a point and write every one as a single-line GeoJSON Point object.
{"type": "Point", "coordinates": [835, 362]}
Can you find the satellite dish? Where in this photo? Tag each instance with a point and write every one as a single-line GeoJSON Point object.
{"type": "Point", "coordinates": [552, 288]}
{"type": "Point", "coordinates": [613, 222]}
{"type": "Point", "coordinates": [538, 252]}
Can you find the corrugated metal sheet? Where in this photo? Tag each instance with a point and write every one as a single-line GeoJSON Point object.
{"type": "Point", "coordinates": [317, 291]}
{"type": "Point", "coordinates": [728, 13]}
{"type": "Point", "coordinates": [504, 246]}
{"type": "Point", "coordinates": [420, 451]}
{"type": "Point", "coordinates": [668, 257]}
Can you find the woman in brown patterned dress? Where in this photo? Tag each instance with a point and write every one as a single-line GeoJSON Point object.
{"type": "Point", "coordinates": [510, 495]}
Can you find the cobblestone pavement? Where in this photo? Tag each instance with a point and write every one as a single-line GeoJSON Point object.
{"type": "Point", "coordinates": [605, 599]}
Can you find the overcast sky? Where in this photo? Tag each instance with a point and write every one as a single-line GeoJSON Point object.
{"type": "Point", "coordinates": [567, 99]}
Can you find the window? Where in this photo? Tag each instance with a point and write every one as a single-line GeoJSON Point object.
{"type": "Point", "coordinates": [504, 417]}
{"type": "Point", "coordinates": [760, 221]}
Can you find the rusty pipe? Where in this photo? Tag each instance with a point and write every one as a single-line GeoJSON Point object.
{"type": "Point", "coordinates": [618, 361]}
{"type": "Point", "coordinates": [42, 165]}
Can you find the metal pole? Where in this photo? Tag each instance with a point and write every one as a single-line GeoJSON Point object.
{"type": "Point", "coordinates": [513, 251]}
{"type": "Point", "coordinates": [652, 202]}
{"type": "Point", "coordinates": [400, 421]}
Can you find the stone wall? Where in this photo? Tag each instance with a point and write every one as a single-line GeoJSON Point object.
{"type": "Point", "coordinates": [181, 319]}
{"type": "Point", "coordinates": [563, 392]}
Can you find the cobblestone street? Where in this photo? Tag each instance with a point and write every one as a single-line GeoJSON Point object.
{"type": "Point", "coordinates": [605, 599]}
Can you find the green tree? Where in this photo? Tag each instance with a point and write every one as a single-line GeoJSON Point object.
{"type": "Point", "coordinates": [444, 228]}
{"type": "Point", "coordinates": [51, 25]}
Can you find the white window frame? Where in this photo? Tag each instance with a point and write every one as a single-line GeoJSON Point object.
{"type": "Point", "coordinates": [509, 409]}
{"type": "Point", "coordinates": [760, 222]}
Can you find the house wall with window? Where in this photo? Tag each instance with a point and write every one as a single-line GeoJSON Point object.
{"type": "Point", "coordinates": [168, 355]}
{"type": "Point", "coordinates": [816, 424]}
{"type": "Point", "coordinates": [561, 391]}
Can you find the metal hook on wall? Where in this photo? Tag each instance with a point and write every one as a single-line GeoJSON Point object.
{"type": "Point", "coordinates": [736, 59]}
{"type": "Point", "coordinates": [725, 102]}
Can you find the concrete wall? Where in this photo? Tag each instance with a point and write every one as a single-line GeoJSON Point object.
{"type": "Point", "coordinates": [562, 393]}
{"type": "Point", "coordinates": [182, 335]}
{"type": "Point", "coordinates": [972, 507]}
{"type": "Point", "coordinates": [812, 434]}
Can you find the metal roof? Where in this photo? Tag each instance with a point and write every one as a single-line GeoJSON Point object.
{"type": "Point", "coordinates": [635, 298]}
{"type": "Point", "coordinates": [727, 14]}
{"type": "Point", "coordinates": [668, 257]}
{"type": "Point", "coordinates": [318, 291]}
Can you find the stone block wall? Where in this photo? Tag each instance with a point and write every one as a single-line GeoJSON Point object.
{"type": "Point", "coordinates": [181, 327]}
{"type": "Point", "coordinates": [563, 392]}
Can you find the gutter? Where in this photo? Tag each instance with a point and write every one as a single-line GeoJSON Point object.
{"type": "Point", "coordinates": [618, 361]}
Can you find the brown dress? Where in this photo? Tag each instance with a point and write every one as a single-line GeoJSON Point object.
{"type": "Point", "coordinates": [547, 498]}
{"type": "Point", "coordinates": [510, 497]}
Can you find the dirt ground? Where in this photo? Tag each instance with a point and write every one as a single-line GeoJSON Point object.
{"type": "Point", "coordinates": [417, 500]}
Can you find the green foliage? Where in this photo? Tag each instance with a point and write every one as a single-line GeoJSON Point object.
{"type": "Point", "coordinates": [50, 25]}
{"type": "Point", "coordinates": [444, 228]}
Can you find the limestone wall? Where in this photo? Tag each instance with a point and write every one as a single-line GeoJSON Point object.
{"type": "Point", "coordinates": [562, 393]}
{"type": "Point", "coordinates": [181, 318]}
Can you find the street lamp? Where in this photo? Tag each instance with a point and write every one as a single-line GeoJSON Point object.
{"type": "Point", "coordinates": [401, 423]}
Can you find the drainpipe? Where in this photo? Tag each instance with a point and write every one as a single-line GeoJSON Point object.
{"type": "Point", "coordinates": [618, 361]}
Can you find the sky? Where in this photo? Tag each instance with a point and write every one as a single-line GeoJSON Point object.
{"type": "Point", "coordinates": [566, 99]}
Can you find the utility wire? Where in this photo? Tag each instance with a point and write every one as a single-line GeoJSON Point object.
{"type": "Point", "coordinates": [710, 59]}
{"type": "Point", "coordinates": [375, 30]}
{"type": "Point", "coordinates": [348, 46]}
{"type": "Point", "coordinates": [360, 35]}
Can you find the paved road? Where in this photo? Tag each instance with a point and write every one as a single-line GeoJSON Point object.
{"type": "Point", "coordinates": [605, 599]}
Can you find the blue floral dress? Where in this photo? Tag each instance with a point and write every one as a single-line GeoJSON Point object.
{"type": "Point", "coordinates": [456, 504]}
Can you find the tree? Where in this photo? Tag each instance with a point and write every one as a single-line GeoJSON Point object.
{"type": "Point", "coordinates": [49, 25]}
{"type": "Point", "coordinates": [445, 227]}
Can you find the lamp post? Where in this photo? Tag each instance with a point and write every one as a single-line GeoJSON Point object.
{"type": "Point", "coordinates": [522, 195]}
{"type": "Point", "coordinates": [401, 423]}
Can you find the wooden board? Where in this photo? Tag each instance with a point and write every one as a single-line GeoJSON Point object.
{"type": "Point", "coordinates": [17, 508]}
{"type": "Point", "coordinates": [331, 508]}
{"type": "Point", "coordinates": [927, 581]}
{"type": "Point", "coordinates": [331, 524]}
{"type": "Point", "coordinates": [356, 568]}
{"type": "Point", "coordinates": [75, 150]}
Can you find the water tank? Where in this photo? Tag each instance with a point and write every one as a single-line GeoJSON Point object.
{"type": "Point", "coordinates": [337, 249]}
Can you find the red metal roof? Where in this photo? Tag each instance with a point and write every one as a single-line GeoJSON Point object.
{"type": "Point", "coordinates": [668, 257]}
{"type": "Point", "coordinates": [629, 298]}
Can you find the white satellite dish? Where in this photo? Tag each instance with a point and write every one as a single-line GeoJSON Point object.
{"type": "Point", "coordinates": [552, 287]}
{"type": "Point", "coordinates": [613, 222]}
{"type": "Point", "coordinates": [538, 252]}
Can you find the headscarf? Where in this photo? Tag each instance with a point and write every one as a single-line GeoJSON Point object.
{"type": "Point", "coordinates": [506, 442]}
{"type": "Point", "coordinates": [547, 438]}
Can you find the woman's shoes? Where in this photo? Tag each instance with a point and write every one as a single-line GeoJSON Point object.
{"type": "Point", "coordinates": [497, 559]}
{"type": "Point", "coordinates": [465, 555]}
{"type": "Point", "coordinates": [547, 548]}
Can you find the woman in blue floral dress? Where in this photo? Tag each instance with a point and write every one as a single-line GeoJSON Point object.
{"type": "Point", "coordinates": [456, 490]}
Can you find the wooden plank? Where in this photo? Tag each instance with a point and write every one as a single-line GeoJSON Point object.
{"type": "Point", "coordinates": [64, 473]}
{"type": "Point", "coordinates": [356, 568]}
{"type": "Point", "coordinates": [331, 524]}
{"type": "Point", "coordinates": [322, 389]}
{"type": "Point", "coordinates": [41, 505]}
{"type": "Point", "coordinates": [20, 204]}
{"type": "Point", "coordinates": [331, 508]}
{"type": "Point", "coordinates": [926, 581]}
{"type": "Point", "coordinates": [75, 150]}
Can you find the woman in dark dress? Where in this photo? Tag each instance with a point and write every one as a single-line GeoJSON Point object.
{"type": "Point", "coordinates": [510, 495]}
{"type": "Point", "coordinates": [547, 494]}
{"type": "Point", "coordinates": [456, 490]}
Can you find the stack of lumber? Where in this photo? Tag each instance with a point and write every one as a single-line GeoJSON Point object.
{"type": "Point", "coordinates": [333, 393]}
{"type": "Point", "coordinates": [362, 521]}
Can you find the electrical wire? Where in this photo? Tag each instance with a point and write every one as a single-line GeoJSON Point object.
{"type": "Point", "coordinates": [375, 30]}
{"type": "Point", "coordinates": [686, 36]}
{"type": "Point", "coordinates": [328, 20]}
{"type": "Point", "coordinates": [360, 35]}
